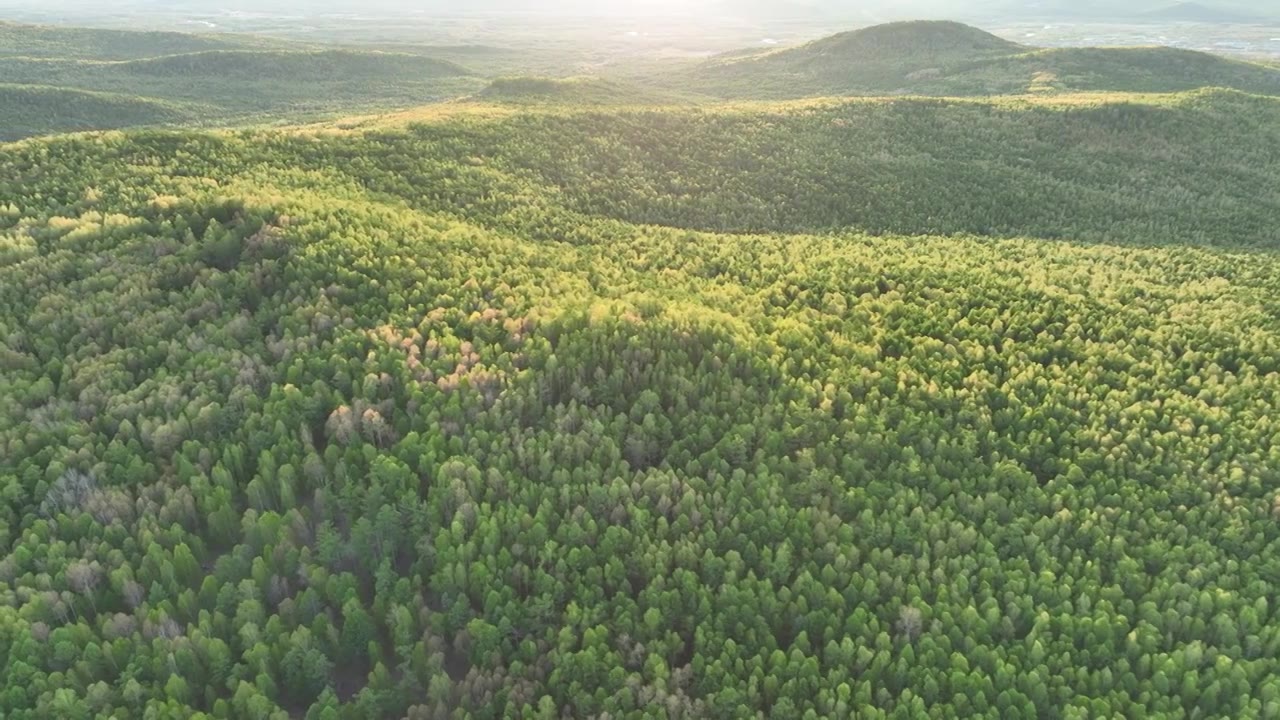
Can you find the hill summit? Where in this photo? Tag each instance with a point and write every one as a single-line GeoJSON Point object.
{"type": "Point", "coordinates": [872, 60]}
{"type": "Point", "coordinates": [917, 39]}
{"type": "Point", "coordinates": [952, 59]}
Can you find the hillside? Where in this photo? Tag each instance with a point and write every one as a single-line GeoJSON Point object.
{"type": "Point", "coordinates": [1135, 69]}
{"type": "Point", "coordinates": [949, 59]}
{"type": "Point", "coordinates": [424, 382]}
{"type": "Point", "coordinates": [48, 41]}
{"type": "Point", "coordinates": [304, 66]}
{"type": "Point", "coordinates": [932, 40]}
{"type": "Point", "coordinates": [239, 86]}
{"type": "Point", "coordinates": [422, 422]}
{"type": "Point", "coordinates": [571, 92]}
{"type": "Point", "coordinates": [1096, 167]}
{"type": "Point", "coordinates": [27, 110]}
{"type": "Point", "coordinates": [883, 56]}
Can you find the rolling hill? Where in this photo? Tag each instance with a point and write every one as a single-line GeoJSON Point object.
{"type": "Point", "coordinates": [1127, 69]}
{"type": "Point", "coordinates": [513, 416]}
{"type": "Point", "coordinates": [53, 41]}
{"type": "Point", "coordinates": [27, 110]}
{"type": "Point", "coordinates": [591, 397]}
{"type": "Point", "coordinates": [298, 66]}
{"type": "Point", "coordinates": [239, 81]}
{"type": "Point", "coordinates": [572, 92]}
{"type": "Point", "coordinates": [950, 59]}
{"type": "Point", "coordinates": [880, 58]}
{"type": "Point", "coordinates": [1097, 167]}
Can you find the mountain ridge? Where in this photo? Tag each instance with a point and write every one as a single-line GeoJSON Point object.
{"type": "Point", "coordinates": [942, 58]}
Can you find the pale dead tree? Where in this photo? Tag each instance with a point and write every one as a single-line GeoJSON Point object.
{"type": "Point", "coordinates": [69, 492]}
{"type": "Point", "coordinates": [342, 425]}
{"type": "Point", "coordinates": [133, 593]}
{"type": "Point", "coordinates": [375, 428]}
{"type": "Point", "coordinates": [83, 578]}
{"type": "Point", "coordinates": [121, 626]}
{"type": "Point", "coordinates": [39, 631]}
{"type": "Point", "coordinates": [109, 505]}
{"type": "Point", "coordinates": [167, 628]}
{"type": "Point", "coordinates": [910, 623]}
{"type": "Point", "coordinates": [61, 609]}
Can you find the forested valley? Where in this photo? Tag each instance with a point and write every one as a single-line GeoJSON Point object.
{"type": "Point", "coordinates": [567, 402]}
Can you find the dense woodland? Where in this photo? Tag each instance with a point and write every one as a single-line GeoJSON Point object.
{"type": "Point", "coordinates": [594, 398]}
{"type": "Point", "coordinates": [481, 418]}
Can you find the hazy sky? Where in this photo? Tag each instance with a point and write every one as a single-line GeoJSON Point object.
{"type": "Point", "coordinates": [772, 8]}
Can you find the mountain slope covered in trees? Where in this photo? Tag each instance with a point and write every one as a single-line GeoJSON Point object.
{"type": "Point", "coordinates": [948, 59]}
{"type": "Point", "coordinates": [479, 418]}
{"type": "Point", "coordinates": [1110, 168]}
{"type": "Point", "coordinates": [56, 41]}
{"type": "Point", "coordinates": [573, 92]}
{"type": "Point", "coordinates": [221, 80]}
{"type": "Point", "coordinates": [27, 110]}
{"type": "Point", "coordinates": [230, 78]}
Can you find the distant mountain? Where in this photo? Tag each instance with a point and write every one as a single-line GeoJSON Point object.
{"type": "Point", "coordinates": [294, 66]}
{"type": "Point", "coordinates": [59, 79]}
{"type": "Point", "coordinates": [1110, 69]}
{"type": "Point", "coordinates": [947, 58]}
{"type": "Point", "coordinates": [924, 39]}
{"type": "Point", "coordinates": [48, 41]}
{"type": "Point", "coordinates": [881, 57]}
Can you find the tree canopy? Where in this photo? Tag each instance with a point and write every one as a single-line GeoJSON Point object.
{"type": "Point", "coordinates": [511, 417]}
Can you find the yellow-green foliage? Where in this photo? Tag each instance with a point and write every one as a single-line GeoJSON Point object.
{"type": "Point", "coordinates": [466, 420]}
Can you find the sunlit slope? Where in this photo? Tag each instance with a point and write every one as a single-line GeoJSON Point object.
{"type": "Point", "coordinates": [378, 425]}
{"type": "Point", "coordinates": [1195, 167]}
{"type": "Point", "coordinates": [1138, 69]}
{"type": "Point", "coordinates": [943, 58]}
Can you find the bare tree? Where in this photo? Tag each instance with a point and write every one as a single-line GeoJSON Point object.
{"type": "Point", "coordinates": [342, 425]}
{"type": "Point", "coordinates": [70, 491]}
{"type": "Point", "coordinates": [83, 578]}
{"type": "Point", "coordinates": [121, 626]}
{"type": "Point", "coordinates": [133, 594]}
{"type": "Point", "coordinates": [910, 623]}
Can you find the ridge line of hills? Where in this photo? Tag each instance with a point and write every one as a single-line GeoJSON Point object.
{"type": "Point", "coordinates": [950, 58]}
{"type": "Point", "coordinates": [247, 80]}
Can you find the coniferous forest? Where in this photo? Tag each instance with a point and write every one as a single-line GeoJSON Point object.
{"type": "Point", "coordinates": [572, 408]}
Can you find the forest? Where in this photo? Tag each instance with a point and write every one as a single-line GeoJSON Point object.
{"type": "Point", "coordinates": [568, 401]}
{"type": "Point", "coordinates": [56, 79]}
